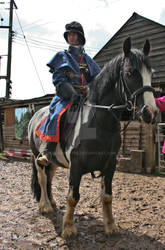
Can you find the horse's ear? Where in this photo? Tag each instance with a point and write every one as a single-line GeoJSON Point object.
{"type": "Point", "coordinates": [146, 48]}
{"type": "Point", "coordinates": [127, 46]}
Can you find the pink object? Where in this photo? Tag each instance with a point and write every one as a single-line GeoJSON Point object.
{"type": "Point", "coordinates": [163, 149]}
{"type": "Point", "coordinates": [161, 105]}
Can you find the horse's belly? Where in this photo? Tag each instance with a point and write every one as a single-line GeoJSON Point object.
{"type": "Point", "coordinates": [60, 156]}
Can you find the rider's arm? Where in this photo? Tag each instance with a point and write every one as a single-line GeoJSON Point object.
{"type": "Point", "coordinates": [64, 87]}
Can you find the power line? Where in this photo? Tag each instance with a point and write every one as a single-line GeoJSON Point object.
{"type": "Point", "coordinates": [39, 45]}
{"type": "Point", "coordinates": [52, 43]}
{"type": "Point", "coordinates": [31, 24]}
{"type": "Point", "coordinates": [30, 54]}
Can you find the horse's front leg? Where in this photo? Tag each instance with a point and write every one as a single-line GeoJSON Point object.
{"type": "Point", "coordinates": [49, 187]}
{"type": "Point", "coordinates": [109, 222]}
{"type": "Point", "coordinates": [68, 227]}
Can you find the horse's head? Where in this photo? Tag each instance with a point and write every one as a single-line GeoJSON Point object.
{"type": "Point", "coordinates": [135, 81]}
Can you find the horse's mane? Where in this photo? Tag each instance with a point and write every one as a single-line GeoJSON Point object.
{"type": "Point", "coordinates": [105, 80]}
{"type": "Point", "coordinates": [109, 75]}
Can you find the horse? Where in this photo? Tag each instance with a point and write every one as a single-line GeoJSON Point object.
{"type": "Point", "coordinates": [124, 83]}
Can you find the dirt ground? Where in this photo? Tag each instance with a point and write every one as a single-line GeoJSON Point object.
{"type": "Point", "coordinates": [138, 207]}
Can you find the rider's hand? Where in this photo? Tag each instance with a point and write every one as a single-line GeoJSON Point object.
{"type": "Point", "coordinates": [76, 98]}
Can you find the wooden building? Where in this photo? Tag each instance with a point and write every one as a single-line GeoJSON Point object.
{"type": "Point", "coordinates": [12, 143]}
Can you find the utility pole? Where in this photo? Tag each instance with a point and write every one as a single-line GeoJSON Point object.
{"type": "Point", "coordinates": [10, 35]}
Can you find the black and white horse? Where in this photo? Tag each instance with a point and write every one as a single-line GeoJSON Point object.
{"type": "Point", "coordinates": [123, 84]}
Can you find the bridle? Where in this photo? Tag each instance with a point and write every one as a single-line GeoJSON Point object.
{"type": "Point", "coordinates": [127, 98]}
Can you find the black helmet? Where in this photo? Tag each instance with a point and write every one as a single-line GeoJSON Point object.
{"type": "Point", "coordinates": [77, 28]}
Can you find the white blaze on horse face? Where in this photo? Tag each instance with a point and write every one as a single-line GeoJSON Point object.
{"type": "Point", "coordinates": [148, 96]}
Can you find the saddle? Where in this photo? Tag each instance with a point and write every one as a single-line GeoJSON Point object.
{"type": "Point", "coordinates": [70, 119]}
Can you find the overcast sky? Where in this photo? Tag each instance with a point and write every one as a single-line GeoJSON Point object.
{"type": "Point", "coordinates": [38, 34]}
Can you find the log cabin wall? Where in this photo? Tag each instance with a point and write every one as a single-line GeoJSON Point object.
{"type": "Point", "coordinates": [139, 29]}
{"type": "Point", "coordinates": [133, 138]}
{"type": "Point", "coordinates": [13, 146]}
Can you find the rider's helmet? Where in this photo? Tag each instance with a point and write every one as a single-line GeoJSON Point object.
{"type": "Point", "coordinates": [77, 28]}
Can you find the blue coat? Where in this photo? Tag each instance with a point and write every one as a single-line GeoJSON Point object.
{"type": "Point", "coordinates": [59, 65]}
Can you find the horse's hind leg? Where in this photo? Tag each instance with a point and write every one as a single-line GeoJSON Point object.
{"type": "Point", "coordinates": [109, 223]}
{"type": "Point", "coordinates": [44, 181]}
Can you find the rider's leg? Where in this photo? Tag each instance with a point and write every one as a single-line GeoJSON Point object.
{"type": "Point", "coordinates": [46, 149]}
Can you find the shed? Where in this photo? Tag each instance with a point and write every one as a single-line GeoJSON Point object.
{"type": "Point", "coordinates": [15, 116]}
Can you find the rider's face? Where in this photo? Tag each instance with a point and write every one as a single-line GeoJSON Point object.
{"type": "Point", "coordinates": [73, 38]}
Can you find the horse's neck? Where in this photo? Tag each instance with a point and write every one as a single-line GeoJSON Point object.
{"type": "Point", "coordinates": [98, 116]}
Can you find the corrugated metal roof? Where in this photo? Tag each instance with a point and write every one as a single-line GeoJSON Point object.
{"type": "Point", "coordinates": [14, 103]}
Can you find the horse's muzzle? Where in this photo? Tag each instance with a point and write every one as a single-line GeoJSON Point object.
{"type": "Point", "coordinates": [149, 114]}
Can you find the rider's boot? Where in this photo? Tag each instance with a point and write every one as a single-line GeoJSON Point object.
{"type": "Point", "coordinates": [45, 157]}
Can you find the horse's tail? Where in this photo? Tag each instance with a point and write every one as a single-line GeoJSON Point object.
{"type": "Point", "coordinates": [35, 187]}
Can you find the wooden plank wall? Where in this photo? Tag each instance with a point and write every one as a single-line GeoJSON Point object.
{"type": "Point", "coordinates": [133, 138]}
{"type": "Point", "coordinates": [9, 138]}
{"type": "Point", "coordinates": [139, 29]}
{"type": "Point", "coordinates": [10, 141]}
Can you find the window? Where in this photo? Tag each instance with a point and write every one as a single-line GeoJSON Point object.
{"type": "Point", "coordinates": [22, 118]}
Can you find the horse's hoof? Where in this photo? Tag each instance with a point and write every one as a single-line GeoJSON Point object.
{"type": "Point", "coordinates": [43, 161]}
{"type": "Point", "coordinates": [69, 231]}
{"type": "Point", "coordinates": [48, 209]}
{"type": "Point", "coordinates": [53, 203]}
{"type": "Point", "coordinates": [112, 229]}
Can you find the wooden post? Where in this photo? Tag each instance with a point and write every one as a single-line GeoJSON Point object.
{"type": "Point", "coordinates": [150, 148]}
{"type": "Point", "coordinates": [1, 133]}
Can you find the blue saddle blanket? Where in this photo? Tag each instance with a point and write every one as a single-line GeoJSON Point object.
{"type": "Point", "coordinates": [49, 128]}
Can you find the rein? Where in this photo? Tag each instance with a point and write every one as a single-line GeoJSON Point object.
{"type": "Point", "coordinates": [112, 106]}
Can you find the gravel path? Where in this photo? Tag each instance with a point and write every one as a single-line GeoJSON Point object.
{"type": "Point", "coordinates": [138, 205]}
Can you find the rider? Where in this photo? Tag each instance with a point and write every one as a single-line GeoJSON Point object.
{"type": "Point", "coordinates": [72, 70]}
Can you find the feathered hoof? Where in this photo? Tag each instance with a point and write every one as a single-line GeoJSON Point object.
{"type": "Point", "coordinates": [43, 161]}
{"type": "Point", "coordinates": [46, 209]}
{"type": "Point", "coordinates": [111, 229]}
{"type": "Point", "coordinates": [69, 231]}
{"type": "Point", "coordinates": [53, 203]}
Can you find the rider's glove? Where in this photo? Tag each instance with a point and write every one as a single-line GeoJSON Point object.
{"type": "Point", "coordinates": [67, 91]}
